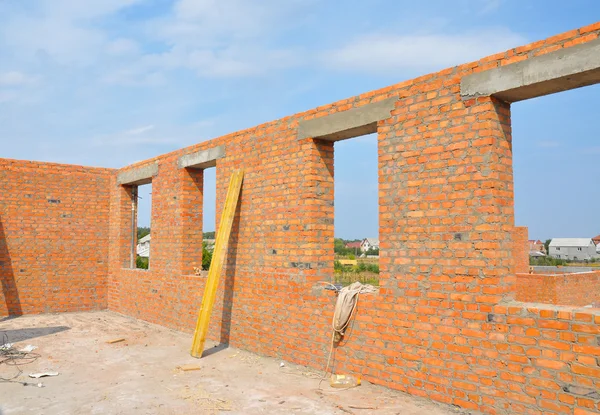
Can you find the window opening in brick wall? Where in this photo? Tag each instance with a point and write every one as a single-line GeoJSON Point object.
{"type": "Point", "coordinates": [555, 152]}
{"type": "Point", "coordinates": [143, 198]}
{"type": "Point", "coordinates": [209, 204]}
{"type": "Point", "coordinates": [356, 211]}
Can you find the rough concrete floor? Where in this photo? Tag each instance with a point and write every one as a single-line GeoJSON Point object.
{"type": "Point", "coordinates": [140, 375]}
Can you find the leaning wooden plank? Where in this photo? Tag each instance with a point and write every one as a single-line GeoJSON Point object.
{"type": "Point", "coordinates": [214, 272]}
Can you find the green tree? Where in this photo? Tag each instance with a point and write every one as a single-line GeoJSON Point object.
{"type": "Point", "coordinates": [209, 235]}
{"type": "Point", "coordinates": [373, 251]}
{"type": "Point", "coordinates": [142, 231]}
{"type": "Point", "coordinates": [206, 257]}
{"type": "Point", "coordinates": [142, 262]}
{"type": "Point", "coordinates": [547, 245]}
{"type": "Point", "coordinates": [339, 247]}
{"type": "Point", "coordinates": [546, 260]}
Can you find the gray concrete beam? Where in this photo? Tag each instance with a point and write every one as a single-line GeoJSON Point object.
{"type": "Point", "coordinates": [556, 71]}
{"type": "Point", "coordinates": [347, 124]}
{"type": "Point", "coordinates": [201, 159]}
{"type": "Point", "coordinates": [139, 175]}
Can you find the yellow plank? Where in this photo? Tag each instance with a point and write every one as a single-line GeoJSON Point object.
{"type": "Point", "coordinates": [214, 272]}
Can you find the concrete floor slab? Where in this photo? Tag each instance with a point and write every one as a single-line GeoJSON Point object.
{"type": "Point", "coordinates": [140, 375]}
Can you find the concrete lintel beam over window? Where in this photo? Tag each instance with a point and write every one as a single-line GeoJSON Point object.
{"type": "Point", "coordinates": [138, 176]}
{"type": "Point", "coordinates": [347, 124]}
{"type": "Point", "coordinates": [561, 70]}
{"type": "Point", "coordinates": [201, 159]}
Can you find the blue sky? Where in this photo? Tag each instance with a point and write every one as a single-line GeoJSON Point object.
{"type": "Point", "coordinates": [111, 82]}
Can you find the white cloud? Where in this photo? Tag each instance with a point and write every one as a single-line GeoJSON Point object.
{"type": "Point", "coordinates": [212, 39]}
{"type": "Point", "coordinates": [489, 6]}
{"type": "Point", "coordinates": [224, 38]}
{"type": "Point", "coordinates": [135, 75]}
{"type": "Point", "coordinates": [201, 22]}
{"type": "Point", "coordinates": [62, 30]}
{"type": "Point", "coordinates": [15, 78]}
{"type": "Point", "coordinates": [212, 63]}
{"type": "Point", "coordinates": [140, 130]}
{"type": "Point", "coordinates": [234, 62]}
{"type": "Point", "coordinates": [88, 9]}
{"type": "Point", "coordinates": [123, 140]}
{"type": "Point", "coordinates": [122, 47]}
{"type": "Point", "coordinates": [173, 136]}
{"type": "Point", "coordinates": [380, 53]}
{"type": "Point", "coordinates": [59, 39]}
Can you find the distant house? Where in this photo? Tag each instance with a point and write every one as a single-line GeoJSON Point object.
{"type": "Point", "coordinates": [143, 246]}
{"type": "Point", "coordinates": [536, 246]}
{"type": "Point", "coordinates": [596, 240]}
{"type": "Point", "coordinates": [354, 245]}
{"type": "Point", "coordinates": [573, 248]}
{"type": "Point", "coordinates": [210, 244]}
{"type": "Point", "coordinates": [369, 243]}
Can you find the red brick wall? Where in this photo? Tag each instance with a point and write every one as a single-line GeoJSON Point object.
{"type": "Point", "coordinates": [536, 288]}
{"type": "Point", "coordinates": [579, 289]}
{"type": "Point", "coordinates": [53, 237]}
{"type": "Point", "coordinates": [521, 249]}
{"type": "Point", "coordinates": [440, 326]}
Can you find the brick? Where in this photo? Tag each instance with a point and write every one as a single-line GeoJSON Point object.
{"type": "Point", "coordinates": [550, 364]}
{"type": "Point", "coordinates": [584, 370]}
{"type": "Point", "coordinates": [590, 28]}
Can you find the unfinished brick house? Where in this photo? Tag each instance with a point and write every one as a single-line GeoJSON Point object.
{"type": "Point", "coordinates": [446, 322]}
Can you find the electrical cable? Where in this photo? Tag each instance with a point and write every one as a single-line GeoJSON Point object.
{"type": "Point", "coordinates": [10, 356]}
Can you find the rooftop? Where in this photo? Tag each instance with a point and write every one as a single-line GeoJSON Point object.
{"type": "Point", "coordinates": [144, 239]}
{"type": "Point", "coordinates": [570, 242]}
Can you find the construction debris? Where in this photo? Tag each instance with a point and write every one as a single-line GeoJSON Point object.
{"type": "Point", "coordinates": [10, 356]}
{"type": "Point", "coordinates": [120, 339]}
{"type": "Point", "coordinates": [6, 346]}
{"type": "Point", "coordinates": [344, 381]}
{"type": "Point", "coordinates": [42, 374]}
{"type": "Point", "coordinates": [188, 368]}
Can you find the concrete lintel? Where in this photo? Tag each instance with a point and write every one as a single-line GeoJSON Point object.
{"type": "Point", "coordinates": [201, 159]}
{"type": "Point", "coordinates": [556, 71]}
{"type": "Point", "coordinates": [347, 124]}
{"type": "Point", "coordinates": [139, 175]}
